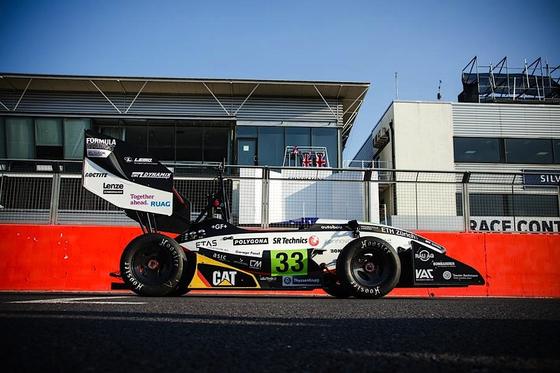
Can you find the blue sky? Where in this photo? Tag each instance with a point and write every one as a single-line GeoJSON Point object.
{"type": "Point", "coordinates": [424, 41]}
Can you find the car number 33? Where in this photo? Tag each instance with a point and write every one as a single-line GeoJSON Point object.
{"type": "Point", "coordinates": [288, 262]}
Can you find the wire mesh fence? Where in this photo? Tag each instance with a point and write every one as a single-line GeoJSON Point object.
{"type": "Point", "coordinates": [288, 197]}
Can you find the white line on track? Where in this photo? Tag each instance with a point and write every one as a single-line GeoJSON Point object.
{"type": "Point", "coordinates": [91, 300]}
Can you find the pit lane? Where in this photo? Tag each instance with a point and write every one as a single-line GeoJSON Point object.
{"type": "Point", "coordinates": [89, 332]}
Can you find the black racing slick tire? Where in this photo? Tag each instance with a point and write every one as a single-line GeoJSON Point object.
{"type": "Point", "coordinates": [152, 265]}
{"type": "Point", "coordinates": [369, 267]}
{"type": "Point", "coordinates": [189, 266]}
{"type": "Point", "coordinates": [332, 286]}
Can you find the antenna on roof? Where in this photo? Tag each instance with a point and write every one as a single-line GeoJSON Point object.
{"type": "Point", "coordinates": [439, 91]}
{"type": "Point", "coordinates": [396, 85]}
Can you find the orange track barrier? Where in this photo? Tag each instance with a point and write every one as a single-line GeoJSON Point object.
{"type": "Point", "coordinates": [79, 258]}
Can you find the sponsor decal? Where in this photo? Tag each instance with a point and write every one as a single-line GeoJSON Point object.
{"type": "Point", "coordinates": [250, 241]}
{"type": "Point", "coordinates": [335, 251]}
{"type": "Point", "coordinates": [424, 274]}
{"type": "Point", "coordinates": [331, 227]}
{"type": "Point", "coordinates": [218, 226]}
{"type": "Point", "coordinates": [151, 175]}
{"type": "Point", "coordinates": [424, 255]}
{"type": "Point", "coordinates": [116, 188]}
{"type": "Point", "coordinates": [138, 160]}
{"type": "Point", "coordinates": [219, 256]}
{"type": "Point", "coordinates": [140, 199]}
{"type": "Point", "coordinates": [267, 278]}
{"type": "Point", "coordinates": [160, 203]}
{"type": "Point", "coordinates": [443, 264]}
{"type": "Point", "coordinates": [102, 142]}
{"type": "Point", "coordinates": [98, 153]}
{"type": "Point", "coordinates": [447, 275]}
{"type": "Point", "coordinates": [99, 148]}
{"type": "Point", "coordinates": [397, 232]}
{"type": "Point", "coordinates": [95, 174]}
{"type": "Point", "coordinates": [255, 264]}
{"type": "Point", "coordinates": [290, 240]}
{"type": "Point", "coordinates": [223, 278]}
{"type": "Point", "coordinates": [313, 241]}
{"type": "Point", "coordinates": [208, 243]}
{"type": "Point", "coordinates": [465, 276]}
{"type": "Point", "coordinates": [248, 252]}
{"type": "Point", "coordinates": [300, 281]}
{"type": "Point", "coordinates": [519, 224]}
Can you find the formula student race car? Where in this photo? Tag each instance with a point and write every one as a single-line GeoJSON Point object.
{"type": "Point", "coordinates": [345, 258]}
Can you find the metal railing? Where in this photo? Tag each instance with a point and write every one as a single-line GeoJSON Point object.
{"type": "Point", "coordinates": [264, 197]}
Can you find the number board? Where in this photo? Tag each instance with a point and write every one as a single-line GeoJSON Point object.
{"type": "Point", "coordinates": [288, 262]}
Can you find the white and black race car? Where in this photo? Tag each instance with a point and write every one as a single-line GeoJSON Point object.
{"type": "Point", "coordinates": [345, 258]}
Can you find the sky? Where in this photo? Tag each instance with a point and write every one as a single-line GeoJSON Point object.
{"type": "Point", "coordinates": [424, 41]}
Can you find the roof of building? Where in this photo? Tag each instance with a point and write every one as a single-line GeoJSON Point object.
{"type": "Point", "coordinates": [350, 94]}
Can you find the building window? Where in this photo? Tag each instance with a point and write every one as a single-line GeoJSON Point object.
{"type": "Point", "coordinates": [526, 205]}
{"type": "Point", "coordinates": [327, 137]}
{"type": "Point", "coordinates": [272, 142]}
{"type": "Point", "coordinates": [528, 151]}
{"type": "Point", "coordinates": [48, 138]}
{"type": "Point", "coordinates": [270, 146]}
{"type": "Point", "coordinates": [556, 146]}
{"type": "Point", "coordinates": [476, 149]}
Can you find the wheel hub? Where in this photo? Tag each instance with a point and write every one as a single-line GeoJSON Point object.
{"type": "Point", "coordinates": [153, 264]}
{"type": "Point", "coordinates": [369, 267]}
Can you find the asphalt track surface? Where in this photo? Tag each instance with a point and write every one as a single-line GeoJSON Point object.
{"type": "Point", "coordinates": [124, 333]}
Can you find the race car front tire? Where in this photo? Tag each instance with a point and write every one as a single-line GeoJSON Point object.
{"type": "Point", "coordinates": [152, 264]}
{"type": "Point", "coordinates": [369, 267]}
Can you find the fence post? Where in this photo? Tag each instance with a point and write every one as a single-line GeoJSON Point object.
{"type": "Point", "coordinates": [55, 194]}
{"type": "Point", "coordinates": [367, 196]}
{"type": "Point", "coordinates": [466, 201]}
{"type": "Point", "coordinates": [265, 198]}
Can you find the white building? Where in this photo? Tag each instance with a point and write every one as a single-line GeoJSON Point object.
{"type": "Point", "coordinates": [489, 137]}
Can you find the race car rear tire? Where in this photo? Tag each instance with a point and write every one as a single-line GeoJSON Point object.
{"type": "Point", "coordinates": [332, 286]}
{"type": "Point", "coordinates": [369, 267]}
{"type": "Point", "coordinates": [152, 265]}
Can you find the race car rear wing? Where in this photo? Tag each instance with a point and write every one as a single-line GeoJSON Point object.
{"type": "Point", "coordinates": [126, 177]}
{"type": "Point", "coordinates": [134, 180]}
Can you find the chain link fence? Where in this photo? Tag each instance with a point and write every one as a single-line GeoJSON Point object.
{"type": "Point", "coordinates": [288, 197]}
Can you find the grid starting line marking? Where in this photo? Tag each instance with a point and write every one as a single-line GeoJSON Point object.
{"type": "Point", "coordinates": [91, 300]}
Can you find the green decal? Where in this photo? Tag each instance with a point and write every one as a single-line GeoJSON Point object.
{"type": "Point", "coordinates": [288, 262]}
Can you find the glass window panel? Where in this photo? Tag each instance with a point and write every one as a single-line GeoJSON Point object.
{"type": "Point", "coordinates": [488, 205]}
{"type": "Point", "coordinates": [327, 137]}
{"type": "Point", "coordinates": [556, 145]}
{"type": "Point", "coordinates": [215, 144]}
{"type": "Point", "coordinates": [534, 205]}
{"type": "Point", "coordinates": [270, 146]}
{"type": "Point", "coordinates": [246, 131]}
{"type": "Point", "coordinates": [161, 143]}
{"type": "Point", "coordinates": [116, 132]}
{"type": "Point", "coordinates": [2, 139]}
{"type": "Point", "coordinates": [298, 136]}
{"type": "Point", "coordinates": [74, 130]}
{"type": "Point", "coordinates": [48, 132]}
{"type": "Point", "coordinates": [20, 138]}
{"type": "Point", "coordinates": [529, 151]}
{"type": "Point", "coordinates": [137, 135]}
{"type": "Point", "coordinates": [469, 149]}
{"type": "Point", "coordinates": [189, 144]}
